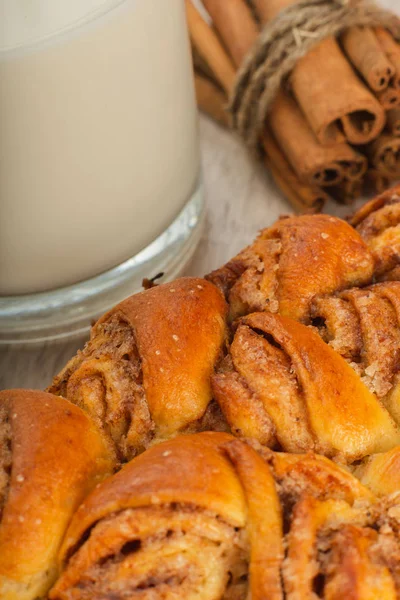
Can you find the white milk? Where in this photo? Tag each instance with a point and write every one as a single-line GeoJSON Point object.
{"type": "Point", "coordinates": [98, 146]}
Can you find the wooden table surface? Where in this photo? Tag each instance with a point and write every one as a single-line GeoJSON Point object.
{"type": "Point", "coordinates": [241, 199]}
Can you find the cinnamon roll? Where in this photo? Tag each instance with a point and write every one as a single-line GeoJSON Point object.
{"type": "Point", "coordinates": [378, 223]}
{"type": "Point", "coordinates": [291, 262]}
{"type": "Point", "coordinates": [145, 374]}
{"type": "Point", "coordinates": [315, 475]}
{"type": "Point", "coordinates": [363, 326]}
{"type": "Point", "coordinates": [285, 387]}
{"type": "Point", "coordinates": [51, 457]}
{"type": "Point", "coordinates": [207, 517]}
{"type": "Point", "coordinates": [179, 521]}
{"type": "Point", "coordinates": [337, 551]}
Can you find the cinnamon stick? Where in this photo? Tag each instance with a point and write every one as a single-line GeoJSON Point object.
{"type": "Point", "coordinates": [353, 108]}
{"type": "Point", "coordinates": [312, 162]}
{"type": "Point", "coordinates": [392, 51]}
{"type": "Point", "coordinates": [302, 197]}
{"type": "Point", "coordinates": [201, 65]}
{"type": "Point", "coordinates": [328, 91]}
{"type": "Point", "coordinates": [235, 25]}
{"type": "Point", "coordinates": [307, 162]}
{"type": "Point", "coordinates": [389, 98]}
{"type": "Point", "coordinates": [291, 193]}
{"type": "Point", "coordinates": [384, 154]}
{"type": "Point", "coordinates": [211, 100]}
{"type": "Point", "coordinates": [365, 52]}
{"type": "Point", "coordinates": [355, 166]}
{"type": "Point", "coordinates": [347, 191]}
{"type": "Point", "coordinates": [210, 48]}
{"type": "Point", "coordinates": [377, 181]}
{"type": "Point", "coordinates": [393, 121]}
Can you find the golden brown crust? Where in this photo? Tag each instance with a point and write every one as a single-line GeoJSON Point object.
{"type": "Point", "coordinates": [378, 223]}
{"type": "Point", "coordinates": [158, 553]}
{"type": "Point", "coordinates": [340, 548]}
{"type": "Point", "coordinates": [315, 475]}
{"type": "Point", "coordinates": [363, 325]}
{"type": "Point", "coordinates": [187, 478]}
{"type": "Point", "coordinates": [242, 407]}
{"type": "Point", "coordinates": [333, 552]}
{"type": "Point", "coordinates": [264, 521]}
{"type": "Point", "coordinates": [302, 564]}
{"type": "Point", "coordinates": [181, 470]}
{"type": "Point", "coordinates": [314, 400]}
{"type": "Point", "coordinates": [290, 263]}
{"type": "Point", "coordinates": [375, 204]}
{"type": "Point", "coordinates": [381, 472]}
{"type": "Point", "coordinates": [208, 516]}
{"type": "Point", "coordinates": [353, 573]}
{"type": "Point", "coordinates": [372, 318]}
{"type": "Point", "coordinates": [329, 536]}
{"type": "Point", "coordinates": [57, 457]}
{"type": "Point", "coordinates": [145, 374]}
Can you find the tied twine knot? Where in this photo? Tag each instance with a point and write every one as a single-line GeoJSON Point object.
{"type": "Point", "coordinates": [282, 42]}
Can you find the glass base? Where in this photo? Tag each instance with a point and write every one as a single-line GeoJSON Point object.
{"type": "Point", "coordinates": [69, 312]}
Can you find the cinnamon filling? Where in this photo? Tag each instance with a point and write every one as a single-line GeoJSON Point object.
{"type": "Point", "coordinates": [335, 551]}
{"type": "Point", "coordinates": [106, 380]}
{"type": "Point", "coordinates": [263, 385]}
{"type": "Point", "coordinates": [380, 227]}
{"type": "Point", "coordinates": [158, 553]}
{"type": "Point", "coordinates": [381, 219]}
{"type": "Point", "coordinates": [212, 420]}
{"type": "Point", "coordinates": [333, 547]}
{"type": "Point", "coordinates": [249, 282]}
{"type": "Point", "coordinates": [362, 325]}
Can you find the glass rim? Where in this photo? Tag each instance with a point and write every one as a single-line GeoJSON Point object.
{"type": "Point", "coordinates": [67, 311]}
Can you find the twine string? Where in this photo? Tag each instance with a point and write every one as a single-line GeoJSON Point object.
{"type": "Point", "coordinates": [282, 42]}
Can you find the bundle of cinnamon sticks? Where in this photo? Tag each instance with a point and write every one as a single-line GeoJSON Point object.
{"type": "Point", "coordinates": [335, 128]}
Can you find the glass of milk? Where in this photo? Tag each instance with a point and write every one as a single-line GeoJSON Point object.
{"type": "Point", "coordinates": [99, 158]}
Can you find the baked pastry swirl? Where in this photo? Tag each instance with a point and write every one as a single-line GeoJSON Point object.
{"type": "Point", "coordinates": [172, 524]}
{"type": "Point", "coordinates": [283, 386]}
{"type": "Point", "coordinates": [145, 374]}
{"type": "Point", "coordinates": [381, 472]}
{"type": "Point", "coordinates": [51, 456]}
{"type": "Point", "coordinates": [298, 357]}
{"type": "Point", "coordinates": [291, 262]}
{"type": "Point", "coordinates": [378, 223]}
{"type": "Point", "coordinates": [207, 517]}
{"type": "Point", "coordinates": [363, 326]}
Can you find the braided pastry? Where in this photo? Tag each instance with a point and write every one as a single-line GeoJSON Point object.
{"type": "Point", "coordinates": [51, 456]}
{"type": "Point", "coordinates": [292, 261]}
{"type": "Point", "coordinates": [207, 517]}
{"type": "Point", "coordinates": [363, 325]}
{"type": "Point", "coordinates": [293, 345]}
{"type": "Point", "coordinates": [281, 384]}
{"type": "Point", "coordinates": [378, 223]}
{"type": "Point", "coordinates": [172, 523]}
{"type": "Point", "coordinates": [145, 373]}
